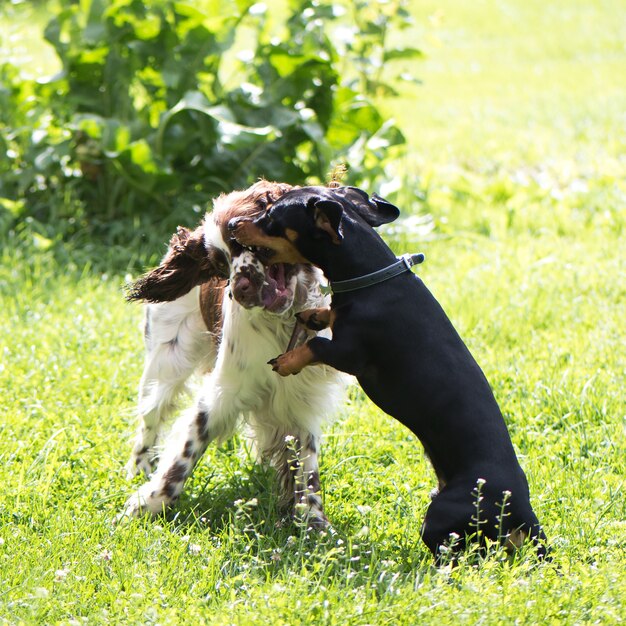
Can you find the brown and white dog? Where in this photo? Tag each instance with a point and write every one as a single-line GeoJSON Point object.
{"type": "Point", "coordinates": [215, 309]}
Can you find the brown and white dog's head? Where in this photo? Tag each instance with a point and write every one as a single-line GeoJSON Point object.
{"type": "Point", "coordinates": [210, 252]}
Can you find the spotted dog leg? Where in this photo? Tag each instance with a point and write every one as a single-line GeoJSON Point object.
{"type": "Point", "coordinates": [176, 345]}
{"type": "Point", "coordinates": [303, 464]}
{"type": "Point", "coordinates": [191, 435]}
{"type": "Point", "coordinates": [156, 402]}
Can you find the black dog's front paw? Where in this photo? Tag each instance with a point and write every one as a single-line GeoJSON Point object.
{"type": "Point", "coordinates": [314, 319]}
{"type": "Point", "coordinates": [291, 362]}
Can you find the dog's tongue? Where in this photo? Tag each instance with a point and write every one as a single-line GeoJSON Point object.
{"type": "Point", "coordinates": [275, 284]}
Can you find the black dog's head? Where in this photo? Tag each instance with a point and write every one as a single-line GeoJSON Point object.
{"type": "Point", "coordinates": [304, 221]}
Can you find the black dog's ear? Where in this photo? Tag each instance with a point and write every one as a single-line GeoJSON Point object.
{"type": "Point", "coordinates": [327, 215]}
{"type": "Point", "coordinates": [187, 263]}
{"type": "Point", "coordinates": [375, 210]}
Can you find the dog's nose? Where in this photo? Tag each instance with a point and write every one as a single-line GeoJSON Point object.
{"type": "Point", "coordinates": [245, 292]}
{"type": "Point", "coordinates": [244, 285]}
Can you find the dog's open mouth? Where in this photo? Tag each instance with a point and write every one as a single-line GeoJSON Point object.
{"type": "Point", "coordinates": [276, 293]}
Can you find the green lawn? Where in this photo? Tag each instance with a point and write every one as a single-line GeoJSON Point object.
{"type": "Point", "coordinates": [518, 136]}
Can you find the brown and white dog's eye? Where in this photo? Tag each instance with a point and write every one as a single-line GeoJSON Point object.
{"type": "Point", "coordinates": [221, 263]}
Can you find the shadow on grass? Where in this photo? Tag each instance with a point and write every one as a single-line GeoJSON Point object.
{"type": "Point", "coordinates": [243, 509]}
{"type": "Point", "coordinates": [249, 494]}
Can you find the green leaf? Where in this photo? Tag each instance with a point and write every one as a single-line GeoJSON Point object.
{"type": "Point", "coordinates": [153, 109]}
{"type": "Point", "coordinates": [40, 242]}
{"type": "Point", "coordinates": [229, 132]}
{"type": "Point", "coordinates": [15, 207]}
{"type": "Point", "coordinates": [402, 53]}
{"type": "Point", "coordinates": [45, 159]}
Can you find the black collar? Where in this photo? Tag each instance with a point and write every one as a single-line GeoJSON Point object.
{"type": "Point", "coordinates": [403, 264]}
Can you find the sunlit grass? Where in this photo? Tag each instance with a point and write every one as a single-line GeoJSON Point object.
{"type": "Point", "coordinates": [542, 318]}
{"type": "Point", "coordinates": [513, 83]}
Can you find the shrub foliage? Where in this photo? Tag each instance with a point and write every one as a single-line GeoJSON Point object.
{"type": "Point", "coordinates": [161, 105]}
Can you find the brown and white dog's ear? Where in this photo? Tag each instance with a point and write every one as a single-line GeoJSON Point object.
{"type": "Point", "coordinates": [187, 263]}
{"type": "Point", "coordinates": [375, 210]}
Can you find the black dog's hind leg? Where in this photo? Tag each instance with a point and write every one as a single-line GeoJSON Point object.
{"type": "Point", "coordinates": [465, 510]}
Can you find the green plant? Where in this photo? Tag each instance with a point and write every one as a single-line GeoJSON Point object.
{"type": "Point", "coordinates": [160, 106]}
{"type": "Point", "coordinates": [371, 45]}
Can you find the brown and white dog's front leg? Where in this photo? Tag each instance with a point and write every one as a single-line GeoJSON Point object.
{"type": "Point", "coordinates": [177, 343]}
{"type": "Point", "coordinates": [300, 480]}
{"type": "Point", "coordinates": [309, 507]}
{"type": "Point", "coordinates": [176, 464]}
{"type": "Point", "coordinates": [190, 437]}
{"type": "Point", "coordinates": [156, 402]}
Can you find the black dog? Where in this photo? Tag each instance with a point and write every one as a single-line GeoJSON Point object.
{"type": "Point", "coordinates": [391, 333]}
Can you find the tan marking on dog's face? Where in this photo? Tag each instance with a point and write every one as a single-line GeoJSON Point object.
{"type": "Point", "coordinates": [291, 235]}
{"type": "Point", "coordinates": [284, 251]}
{"type": "Point", "coordinates": [248, 234]}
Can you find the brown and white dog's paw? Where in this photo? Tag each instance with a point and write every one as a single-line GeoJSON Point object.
{"type": "Point", "coordinates": [134, 508]}
{"type": "Point", "coordinates": [142, 503]}
{"type": "Point", "coordinates": [138, 464]}
{"type": "Point", "coordinates": [310, 514]}
{"type": "Point", "coordinates": [317, 521]}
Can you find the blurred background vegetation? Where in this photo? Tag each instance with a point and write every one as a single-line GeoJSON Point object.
{"type": "Point", "coordinates": [132, 111]}
{"type": "Point", "coordinates": [120, 119]}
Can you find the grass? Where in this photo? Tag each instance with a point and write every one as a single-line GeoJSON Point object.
{"type": "Point", "coordinates": [517, 138]}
